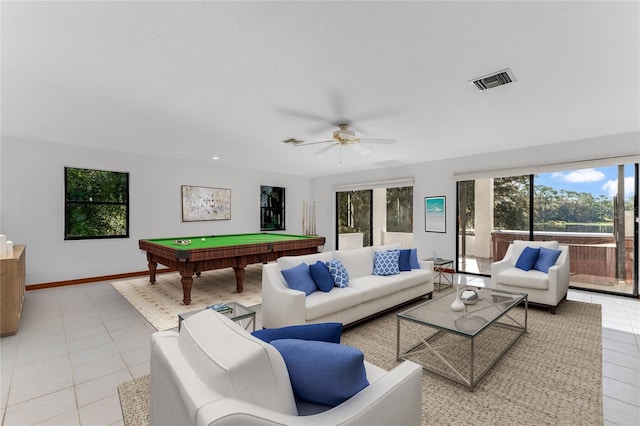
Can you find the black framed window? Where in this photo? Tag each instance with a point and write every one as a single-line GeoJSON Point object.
{"type": "Point", "coordinates": [96, 204]}
{"type": "Point", "coordinates": [272, 208]}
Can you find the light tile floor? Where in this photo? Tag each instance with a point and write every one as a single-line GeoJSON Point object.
{"type": "Point", "coordinates": [76, 344]}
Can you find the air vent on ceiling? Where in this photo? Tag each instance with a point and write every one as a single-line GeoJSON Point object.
{"type": "Point", "coordinates": [494, 80]}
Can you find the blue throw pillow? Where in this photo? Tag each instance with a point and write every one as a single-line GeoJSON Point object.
{"type": "Point", "coordinates": [403, 262]}
{"type": "Point", "coordinates": [299, 278]}
{"type": "Point", "coordinates": [324, 332]}
{"type": "Point", "coordinates": [527, 258]}
{"type": "Point", "coordinates": [321, 372]}
{"type": "Point", "coordinates": [386, 262]}
{"type": "Point", "coordinates": [413, 259]}
{"type": "Point", "coordinates": [546, 259]}
{"type": "Point", "coordinates": [338, 272]}
{"type": "Point", "coordinates": [321, 276]}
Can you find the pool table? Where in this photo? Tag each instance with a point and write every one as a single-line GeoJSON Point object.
{"type": "Point", "coordinates": [192, 255]}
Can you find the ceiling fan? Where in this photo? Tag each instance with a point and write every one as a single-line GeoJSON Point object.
{"type": "Point", "coordinates": [344, 136]}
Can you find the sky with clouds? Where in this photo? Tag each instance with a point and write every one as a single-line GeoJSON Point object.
{"type": "Point", "coordinates": [597, 181]}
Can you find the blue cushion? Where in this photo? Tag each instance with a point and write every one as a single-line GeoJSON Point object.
{"type": "Point", "coordinates": [386, 262]}
{"type": "Point", "coordinates": [321, 372]}
{"type": "Point", "coordinates": [321, 276]}
{"type": "Point", "coordinates": [546, 259]}
{"type": "Point", "coordinates": [324, 331]}
{"type": "Point", "coordinates": [413, 259]}
{"type": "Point", "coordinates": [338, 272]}
{"type": "Point", "coordinates": [299, 278]}
{"type": "Point", "coordinates": [404, 263]}
{"type": "Point", "coordinates": [527, 258]}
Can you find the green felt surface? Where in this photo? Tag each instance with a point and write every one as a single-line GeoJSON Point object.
{"type": "Point", "coordinates": [225, 240]}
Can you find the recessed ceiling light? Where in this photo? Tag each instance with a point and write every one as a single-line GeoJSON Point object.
{"type": "Point", "coordinates": [215, 158]}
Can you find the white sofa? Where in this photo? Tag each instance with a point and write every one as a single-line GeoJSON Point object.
{"type": "Point", "coordinates": [215, 372]}
{"type": "Point", "coordinates": [365, 295]}
{"type": "Point", "coordinates": [547, 289]}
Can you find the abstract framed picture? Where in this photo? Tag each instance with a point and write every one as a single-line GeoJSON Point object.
{"type": "Point", "coordinates": [203, 203]}
{"type": "Point", "coordinates": [435, 214]}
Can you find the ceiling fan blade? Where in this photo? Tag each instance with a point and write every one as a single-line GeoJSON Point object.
{"type": "Point", "coordinates": [305, 115]}
{"type": "Point", "coordinates": [333, 145]}
{"type": "Point", "coordinates": [380, 141]}
{"type": "Point", "coordinates": [360, 149]}
{"type": "Point", "coordinates": [316, 142]}
{"type": "Point", "coordinates": [374, 114]}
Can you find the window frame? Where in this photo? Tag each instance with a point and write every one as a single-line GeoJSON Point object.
{"type": "Point", "coordinates": [70, 203]}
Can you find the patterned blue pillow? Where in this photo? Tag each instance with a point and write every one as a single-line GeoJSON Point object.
{"type": "Point", "coordinates": [338, 272]}
{"type": "Point", "coordinates": [386, 262]}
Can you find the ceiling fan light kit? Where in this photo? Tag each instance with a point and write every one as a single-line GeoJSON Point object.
{"type": "Point", "coordinates": [343, 136]}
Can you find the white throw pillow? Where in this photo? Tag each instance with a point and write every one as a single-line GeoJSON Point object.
{"type": "Point", "coordinates": [358, 262]}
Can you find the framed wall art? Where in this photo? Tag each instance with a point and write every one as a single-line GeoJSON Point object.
{"type": "Point", "coordinates": [435, 214]}
{"type": "Point", "coordinates": [203, 203]}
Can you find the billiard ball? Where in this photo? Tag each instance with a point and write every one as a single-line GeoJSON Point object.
{"type": "Point", "coordinates": [202, 239]}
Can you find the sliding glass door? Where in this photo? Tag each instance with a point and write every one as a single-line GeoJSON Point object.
{"type": "Point", "coordinates": [374, 217]}
{"type": "Point", "coordinates": [593, 211]}
{"type": "Point", "coordinates": [354, 212]}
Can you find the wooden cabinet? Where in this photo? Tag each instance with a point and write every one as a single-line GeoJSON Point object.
{"type": "Point", "coordinates": [12, 285]}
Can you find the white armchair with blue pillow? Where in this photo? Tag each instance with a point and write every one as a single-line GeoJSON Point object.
{"type": "Point", "coordinates": [214, 372]}
{"type": "Point", "coordinates": [538, 268]}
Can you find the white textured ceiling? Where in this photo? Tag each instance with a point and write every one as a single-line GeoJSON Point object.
{"type": "Point", "coordinates": [192, 80]}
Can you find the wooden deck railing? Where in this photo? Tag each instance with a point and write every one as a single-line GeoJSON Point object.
{"type": "Point", "coordinates": [589, 253]}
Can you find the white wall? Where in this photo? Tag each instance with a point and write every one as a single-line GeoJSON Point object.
{"type": "Point", "coordinates": [32, 192]}
{"type": "Point", "coordinates": [436, 179]}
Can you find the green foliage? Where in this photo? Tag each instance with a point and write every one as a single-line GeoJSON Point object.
{"type": "Point", "coordinates": [97, 204]}
{"type": "Point", "coordinates": [466, 200]}
{"type": "Point", "coordinates": [354, 213]}
{"type": "Point", "coordinates": [552, 205]}
{"type": "Point", "coordinates": [554, 210]}
{"type": "Point", "coordinates": [511, 203]}
{"type": "Point", "coordinates": [400, 209]}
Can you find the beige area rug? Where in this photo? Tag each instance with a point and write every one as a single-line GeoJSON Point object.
{"type": "Point", "coordinates": [551, 376]}
{"type": "Point", "coordinates": [161, 302]}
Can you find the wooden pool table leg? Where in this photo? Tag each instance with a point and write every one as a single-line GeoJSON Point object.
{"type": "Point", "coordinates": [152, 269]}
{"type": "Point", "coordinates": [239, 270]}
{"type": "Point", "coordinates": [187, 281]}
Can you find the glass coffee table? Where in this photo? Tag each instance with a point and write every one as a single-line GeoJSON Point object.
{"type": "Point", "coordinates": [462, 346]}
{"type": "Point", "coordinates": [239, 313]}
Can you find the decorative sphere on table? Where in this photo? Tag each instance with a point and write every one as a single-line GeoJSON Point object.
{"type": "Point", "coordinates": [469, 296]}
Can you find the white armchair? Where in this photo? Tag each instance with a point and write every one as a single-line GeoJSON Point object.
{"type": "Point", "coordinates": [214, 372]}
{"type": "Point", "coordinates": [547, 289]}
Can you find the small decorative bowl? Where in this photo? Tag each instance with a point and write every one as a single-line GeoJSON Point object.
{"type": "Point", "coordinates": [469, 296]}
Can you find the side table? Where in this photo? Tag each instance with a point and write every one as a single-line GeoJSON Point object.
{"type": "Point", "coordinates": [240, 314]}
{"type": "Point", "coordinates": [443, 269]}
